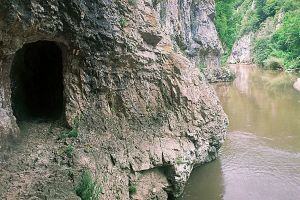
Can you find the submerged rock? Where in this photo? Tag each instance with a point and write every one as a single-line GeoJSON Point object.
{"type": "Point", "coordinates": [143, 112]}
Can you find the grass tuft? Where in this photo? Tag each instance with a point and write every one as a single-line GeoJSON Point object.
{"type": "Point", "coordinates": [132, 189]}
{"type": "Point", "coordinates": [88, 189]}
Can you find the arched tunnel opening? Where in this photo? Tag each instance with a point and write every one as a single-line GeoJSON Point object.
{"type": "Point", "coordinates": [37, 82]}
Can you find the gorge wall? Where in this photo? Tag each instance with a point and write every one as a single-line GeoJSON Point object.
{"type": "Point", "coordinates": [190, 27]}
{"type": "Point", "coordinates": [144, 112]}
{"type": "Point", "coordinates": [241, 51]}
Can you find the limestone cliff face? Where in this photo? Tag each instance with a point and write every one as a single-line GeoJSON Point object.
{"type": "Point", "coordinates": [189, 25]}
{"type": "Point", "coordinates": [241, 51]}
{"type": "Point", "coordinates": [147, 116]}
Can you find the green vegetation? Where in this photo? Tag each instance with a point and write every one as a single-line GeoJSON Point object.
{"type": "Point", "coordinates": [122, 22]}
{"type": "Point", "coordinates": [132, 189]}
{"type": "Point", "coordinates": [201, 66]}
{"type": "Point", "coordinates": [50, 129]}
{"type": "Point", "coordinates": [133, 2]}
{"type": "Point", "coordinates": [228, 21]}
{"type": "Point", "coordinates": [156, 2]}
{"type": "Point", "coordinates": [179, 160]}
{"type": "Point", "coordinates": [69, 150]}
{"type": "Point", "coordinates": [281, 49]}
{"type": "Point", "coordinates": [274, 63]}
{"type": "Point", "coordinates": [88, 189]}
{"type": "Point", "coordinates": [284, 44]}
{"type": "Point", "coordinates": [73, 133]}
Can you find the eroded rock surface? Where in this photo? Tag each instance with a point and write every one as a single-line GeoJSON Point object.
{"type": "Point", "coordinates": [147, 115]}
{"type": "Point", "coordinates": [241, 51]}
{"type": "Point", "coordinates": [190, 27]}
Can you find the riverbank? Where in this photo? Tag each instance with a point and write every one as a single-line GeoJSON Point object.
{"type": "Point", "coordinates": [261, 156]}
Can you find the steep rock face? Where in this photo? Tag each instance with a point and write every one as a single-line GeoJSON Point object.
{"type": "Point", "coordinates": [146, 114]}
{"type": "Point", "coordinates": [189, 25]}
{"type": "Point", "coordinates": [241, 51]}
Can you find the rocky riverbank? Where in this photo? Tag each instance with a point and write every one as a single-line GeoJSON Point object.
{"type": "Point", "coordinates": [136, 112]}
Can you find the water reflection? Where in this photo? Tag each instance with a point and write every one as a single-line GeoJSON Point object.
{"type": "Point", "coordinates": [204, 184]}
{"type": "Point", "coordinates": [242, 77]}
{"type": "Point", "coordinates": [261, 157]}
{"type": "Point", "coordinates": [265, 104]}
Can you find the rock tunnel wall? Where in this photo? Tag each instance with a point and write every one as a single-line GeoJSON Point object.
{"type": "Point", "coordinates": [142, 106]}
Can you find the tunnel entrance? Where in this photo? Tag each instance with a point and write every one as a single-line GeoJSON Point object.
{"type": "Point", "coordinates": [37, 82]}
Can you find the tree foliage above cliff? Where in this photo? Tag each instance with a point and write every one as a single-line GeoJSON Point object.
{"type": "Point", "coordinates": [284, 44]}
{"type": "Point", "coordinates": [226, 22]}
{"type": "Point", "coordinates": [229, 15]}
{"type": "Point", "coordinates": [235, 18]}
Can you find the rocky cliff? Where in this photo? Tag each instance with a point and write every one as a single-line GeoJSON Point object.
{"type": "Point", "coordinates": [241, 51]}
{"type": "Point", "coordinates": [143, 114]}
{"type": "Point", "coordinates": [189, 26]}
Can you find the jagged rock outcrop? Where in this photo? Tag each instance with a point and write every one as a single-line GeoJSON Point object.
{"type": "Point", "coordinates": [190, 27]}
{"type": "Point", "coordinates": [144, 113]}
{"type": "Point", "coordinates": [241, 51]}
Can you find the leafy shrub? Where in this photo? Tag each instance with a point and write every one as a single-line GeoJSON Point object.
{"type": "Point", "coordinates": [179, 160]}
{"type": "Point", "coordinates": [122, 22]}
{"type": "Point", "coordinates": [156, 2]}
{"type": "Point", "coordinates": [73, 133]}
{"type": "Point", "coordinates": [88, 189]}
{"type": "Point", "coordinates": [225, 22]}
{"type": "Point", "coordinates": [132, 189]}
{"type": "Point", "coordinates": [229, 19]}
{"type": "Point", "coordinates": [261, 15]}
{"type": "Point", "coordinates": [288, 36]}
{"type": "Point", "coordinates": [271, 7]}
{"type": "Point", "coordinates": [234, 18]}
{"type": "Point", "coordinates": [69, 150]}
{"type": "Point", "coordinates": [133, 2]}
{"type": "Point", "coordinates": [201, 66]}
{"type": "Point", "coordinates": [262, 50]}
{"type": "Point", "coordinates": [290, 5]}
{"type": "Point", "coordinates": [274, 63]}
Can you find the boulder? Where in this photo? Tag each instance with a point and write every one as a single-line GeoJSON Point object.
{"type": "Point", "coordinates": [296, 85]}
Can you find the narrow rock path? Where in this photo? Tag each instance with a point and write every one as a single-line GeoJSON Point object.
{"type": "Point", "coordinates": [35, 167]}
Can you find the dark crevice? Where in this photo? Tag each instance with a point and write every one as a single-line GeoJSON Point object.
{"type": "Point", "coordinates": [170, 196]}
{"type": "Point", "coordinates": [37, 82]}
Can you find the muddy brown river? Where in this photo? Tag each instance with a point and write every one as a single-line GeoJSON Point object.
{"type": "Point", "coordinates": [261, 158]}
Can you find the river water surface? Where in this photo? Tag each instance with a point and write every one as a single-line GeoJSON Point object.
{"type": "Point", "coordinates": [260, 159]}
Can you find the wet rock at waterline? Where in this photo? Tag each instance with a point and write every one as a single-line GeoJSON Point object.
{"type": "Point", "coordinates": [296, 85]}
{"type": "Point", "coordinates": [138, 110]}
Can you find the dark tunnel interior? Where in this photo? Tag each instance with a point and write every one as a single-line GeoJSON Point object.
{"type": "Point", "coordinates": [37, 82]}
